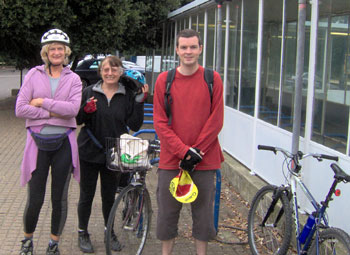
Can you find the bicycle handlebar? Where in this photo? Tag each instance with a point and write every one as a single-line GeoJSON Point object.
{"type": "Point", "coordinates": [329, 157]}
{"type": "Point", "coordinates": [267, 148]}
{"type": "Point", "coordinates": [300, 154]}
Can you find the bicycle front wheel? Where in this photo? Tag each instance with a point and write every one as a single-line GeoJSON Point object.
{"type": "Point", "coordinates": [269, 222]}
{"type": "Point", "coordinates": [130, 220]}
{"type": "Point", "coordinates": [331, 241]}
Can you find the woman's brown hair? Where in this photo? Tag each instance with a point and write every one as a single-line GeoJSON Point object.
{"type": "Point", "coordinates": [112, 61]}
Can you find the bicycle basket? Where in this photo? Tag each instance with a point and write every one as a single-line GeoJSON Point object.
{"type": "Point", "coordinates": [127, 154]}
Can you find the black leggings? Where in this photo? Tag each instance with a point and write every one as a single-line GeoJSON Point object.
{"type": "Point", "coordinates": [88, 180]}
{"type": "Point", "coordinates": [61, 168]}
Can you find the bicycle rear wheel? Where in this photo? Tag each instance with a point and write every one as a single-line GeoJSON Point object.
{"type": "Point", "coordinates": [130, 219]}
{"type": "Point", "coordinates": [332, 241]}
{"type": "Point", "coordinates": [274, 235]}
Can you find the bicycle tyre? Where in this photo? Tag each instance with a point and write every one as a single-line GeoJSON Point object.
{"type": "Point", "coordinates": [269, 239]}
{"type": "Point", "coordinates": [130, 219]}
{"type": "Point", "coordinates": [332, 241]}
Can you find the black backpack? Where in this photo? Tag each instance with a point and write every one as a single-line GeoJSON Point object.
{"type": "Point", "coordinates": [208, 77]}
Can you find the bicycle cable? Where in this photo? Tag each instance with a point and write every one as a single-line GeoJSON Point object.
{"type": "Point", "coordinates": [232, 243]}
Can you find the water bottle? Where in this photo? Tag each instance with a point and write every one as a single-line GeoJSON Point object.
{"type": "Point", "coordinates": [307, 228]}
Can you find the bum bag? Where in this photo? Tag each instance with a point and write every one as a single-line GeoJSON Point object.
{"type": "Point", "coordinates": [49, 142]}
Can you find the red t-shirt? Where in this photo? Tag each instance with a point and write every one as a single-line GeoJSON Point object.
{"type": "Point", "coordinates": [196, 121]}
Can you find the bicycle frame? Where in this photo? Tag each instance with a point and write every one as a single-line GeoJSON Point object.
{"type": "Point", "coordinates": [319, 210]}
{"type": "Point", "coordinates": [320, 216]}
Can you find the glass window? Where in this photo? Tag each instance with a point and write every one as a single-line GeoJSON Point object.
{"type": "Point", "coordinates": [271, 62]}
{"type": "Point", "coordinates": [179, 26]}
{"type": "Point", "coordinates": [194, 23]}
{"type": "Point", "coordinates": [210, 38]}
{"type": "Point", "coordinates": [234, 23]}
{"type": "Point", "coordinates": [249, 56]}
{"type": "Point", "coordinates": [332, 81]}
{"type": "Point", "coordinates": [277, 91]}
{"type": "Point", "coordinates": [289, 62]}
{"type": "Point", "coordinates": [95, 64]}
{"type": "Point", "coordinates": [169, 47]}
{"type": "Point", "coordinates": [201, 33]}
{"type": "Point", "coordinates": [223, 40]}
{"type": "Point", "coordinates": [171, 60]}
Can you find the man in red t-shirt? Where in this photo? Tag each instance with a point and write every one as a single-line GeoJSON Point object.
{"type": "Point", "coordinates": [189, 141]}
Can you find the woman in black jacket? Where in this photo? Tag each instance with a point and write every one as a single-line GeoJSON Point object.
{"type": "Point", "coordinates": [108, 109]}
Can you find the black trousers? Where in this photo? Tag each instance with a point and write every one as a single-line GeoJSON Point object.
{"type": "Point", "coordinates": [88, 181]}
{"type": "Point", "coordinates": [61, 168]}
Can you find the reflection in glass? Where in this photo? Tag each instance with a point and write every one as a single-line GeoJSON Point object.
{"type": "Point", "coordinates": [332, 84]}
{"type": "Point", "coordinates": [277, 91]}
{"type": "Point", "coordinates": [169, 61]}
{"type": "Point", "coordinates": [288, 85]}
{"type": "Point", "coordinates": [249, 57]}
{"type": "Point", "coordinates": [210, 39]}
{"type": "Point", "coordinates": [194, 22]}
{"type": "Point", "coordinates": [201, 33]}
{"type": "Point", "coordinates": [233, 55]}
{"type": "Point", "coordinates": [270, 69]}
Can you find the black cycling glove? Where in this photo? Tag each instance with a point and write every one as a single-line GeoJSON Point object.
{"type": "Point", "coordinates": [195, 158]}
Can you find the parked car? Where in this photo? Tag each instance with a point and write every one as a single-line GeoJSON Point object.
{"type": "Point", "coordinates": [87, 70]}
{"type": "Point", "coordinates": [305, 79]}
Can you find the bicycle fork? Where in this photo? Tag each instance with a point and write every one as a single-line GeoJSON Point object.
{"type": "Point", "coordinates": [276, 196]}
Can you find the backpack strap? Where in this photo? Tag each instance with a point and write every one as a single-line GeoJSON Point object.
{"type": "Point", "coordinates": [93, 138]}
{"type": "Point", "coordinates": [209, 79]}
{"type": "Point", "coordinates": [167, 96]}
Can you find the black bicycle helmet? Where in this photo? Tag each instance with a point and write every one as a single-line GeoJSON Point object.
{"type": "Point", "coordinates": [133, 80]}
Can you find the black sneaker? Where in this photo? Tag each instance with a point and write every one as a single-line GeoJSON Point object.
{"type": "Point", "coordinates": [53, 250]}
{"type": "Point", "coordinates": [115, 245]}
{"type": "Point", "coordinates": [27, 247]}
{"type": "Point", "coordinates": [84, 242]}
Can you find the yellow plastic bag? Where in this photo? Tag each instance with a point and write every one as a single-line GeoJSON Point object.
{"type": "Point", "coordinates": [183, 188]}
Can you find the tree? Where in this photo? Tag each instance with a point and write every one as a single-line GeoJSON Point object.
{"type": "Point", "coordinates": [93, 26]}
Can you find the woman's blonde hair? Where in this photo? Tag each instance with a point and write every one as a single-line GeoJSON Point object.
{"type": "Point", "coordinates": [45, 50]}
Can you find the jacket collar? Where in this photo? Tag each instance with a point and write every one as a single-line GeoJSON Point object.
{"type": "Point", "coordinates": [65, 70]}
{"type": "Point", "coordinates": [98, 88]}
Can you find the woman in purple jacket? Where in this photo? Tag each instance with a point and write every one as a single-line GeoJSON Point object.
{"type": "Point", "coordinates": [49, 100]}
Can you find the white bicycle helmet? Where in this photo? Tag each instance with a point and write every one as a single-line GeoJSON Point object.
{"type": "Point", "coordinates": [55, 35]}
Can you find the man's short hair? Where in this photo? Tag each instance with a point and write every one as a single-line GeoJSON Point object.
{"type": "Point", "coordinates": [187, 33]}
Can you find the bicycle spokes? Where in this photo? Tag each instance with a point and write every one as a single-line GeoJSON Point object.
{"type": "Point", "coordinates": [132, 213]}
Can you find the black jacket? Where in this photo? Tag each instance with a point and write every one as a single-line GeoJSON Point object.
{"type": "Point", "coordinates": [109, 120]}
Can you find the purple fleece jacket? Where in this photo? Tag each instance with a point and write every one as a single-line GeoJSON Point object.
{"type": "Point", "coordinates": [65, 102]}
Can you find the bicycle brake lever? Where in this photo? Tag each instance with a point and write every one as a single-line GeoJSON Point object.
{"type": "Point", "coordinates": [300, 154]}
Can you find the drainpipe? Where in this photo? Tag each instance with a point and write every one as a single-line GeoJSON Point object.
{"type": "Point", "coordinates": [298, 75]}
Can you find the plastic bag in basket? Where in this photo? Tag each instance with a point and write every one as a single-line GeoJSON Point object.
{"type": "Point", "coordinates": [183, 188]}
{"type": "Point", "coordinates": [133, 152]}
{"type": "Point", "coordinates": [112, 159]}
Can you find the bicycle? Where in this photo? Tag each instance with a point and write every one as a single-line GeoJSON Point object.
{"type": "Point", "coordinates": [130, 216]}
{"type": "Point", "coordinates": [270, 217]}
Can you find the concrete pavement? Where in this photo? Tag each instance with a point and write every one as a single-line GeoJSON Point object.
{"type": "Point", "coordinates": [233, 210]}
